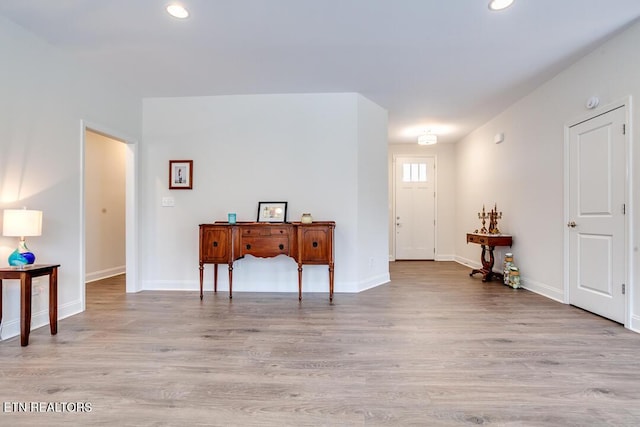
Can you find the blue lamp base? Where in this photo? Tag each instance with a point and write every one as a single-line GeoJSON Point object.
{"type": "Point", "coordinates": [21, 256]}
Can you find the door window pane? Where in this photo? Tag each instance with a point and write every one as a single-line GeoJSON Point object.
{"type": "Point", "coordinates": [414, 172]}
{"type": "Point", "coordinates": [406, 172]}
{"type": "Point", "coordinates": [422, 172]}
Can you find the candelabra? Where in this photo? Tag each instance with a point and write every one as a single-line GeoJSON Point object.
{"type": "Point", "coordinates": [483, 216]}
{"type": "Point", "coordinates": [493, 216]}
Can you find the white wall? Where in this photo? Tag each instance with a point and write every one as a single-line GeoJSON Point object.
{"type": "Point", "coordinates": [372, 217]}
{"type": "Point", "coordinates": [444, 155]}
{"type": "Point", "coordinates": [306, 149]}
{"type": "Point", "coordinates": [525, 174]}
{"type": "Point", "coordinates": [104, 206]}
{"type": "Point", "coordinates": [45, 96]}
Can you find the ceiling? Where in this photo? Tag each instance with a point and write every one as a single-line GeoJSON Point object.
{"type": "Point", "coordinates": [447, 66]}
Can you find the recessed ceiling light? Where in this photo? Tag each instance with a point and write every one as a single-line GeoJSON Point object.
{"type": "Point", "coordinates": [499, 4]}
{"type": "Point", "coordinates": [177, 11]}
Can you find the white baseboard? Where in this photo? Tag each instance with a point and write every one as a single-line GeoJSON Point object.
{"type": "Point", "coordinates": [467, 262]}
{"type": "Point", "coordinates": [542, 289]}
{"type": "Point", "coordinates": [437, 258]}
{"type": "Point", "coordinates": [374, 282]}
{"type": "Point", "coordinates": [635, 323]}
{"type": "Point", "coordinates": [11, 328]}
{"type": "Point", "coordinates": [104, 274]}
{"type": "Point", "coordinates": [528, 284]}
{"type": "Point", "coordinates": [265, 286]}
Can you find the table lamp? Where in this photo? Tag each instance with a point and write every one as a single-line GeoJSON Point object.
{"type": "Point", "coordinates": [21, 223]}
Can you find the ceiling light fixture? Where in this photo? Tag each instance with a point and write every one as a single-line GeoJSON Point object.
{"type": "Point", "coordinates": [427, 138]}
{"type": "Point", "coordinates": [177, 11]}
{"type": "Point", "coordinates": [500, 4]}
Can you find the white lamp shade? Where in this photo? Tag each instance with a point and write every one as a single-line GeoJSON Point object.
{"type": "Point", "coordinates": [21, 222]}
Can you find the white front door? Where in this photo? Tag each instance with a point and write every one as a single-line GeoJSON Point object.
{"type": "Point", "coordinates": [596, 222]}
{"type": "Point", "coordinates": [415, 208]}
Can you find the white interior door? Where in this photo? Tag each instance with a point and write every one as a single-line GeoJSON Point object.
{"type": "Point", "coordinates": [596, 215]}
{"type": "Point", "coordinates": [415, 208]}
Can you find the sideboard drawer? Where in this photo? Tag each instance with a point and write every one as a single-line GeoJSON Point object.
{"type": "Point", "coordinates": [251, 231]}
{"type": "Point", "coordinates": [266, 230]}
{"type": "Point", "coordinates": [264, 247]}
{"type": "Point", "coordinates": [279, 230]}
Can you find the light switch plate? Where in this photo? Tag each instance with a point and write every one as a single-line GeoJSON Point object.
{"type": "Point", "coordinates": [168, 202]}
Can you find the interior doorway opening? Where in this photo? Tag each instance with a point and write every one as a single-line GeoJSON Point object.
{"type": "Point", "coordinates": [104, 206]}
{"type": "Point", "coordinates": [108, 193]}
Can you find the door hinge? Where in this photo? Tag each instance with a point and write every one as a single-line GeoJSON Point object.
{"type": "Point", "coordinates": [624, 129]}
{"type": "Point", "coordinates": [624, 289]}
{"type": "Point", "coordinates": [624, 209]}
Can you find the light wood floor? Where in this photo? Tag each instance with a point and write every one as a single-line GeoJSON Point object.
{"type": "Point", "coordinates": [433, 348]}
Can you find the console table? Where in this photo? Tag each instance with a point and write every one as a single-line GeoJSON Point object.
{"type": "Point", "coordinates": [223, 243]}
{"type": "Point", "coordinates": [488, 242]}
{"type": "Point", "coordinates": [25, 275]}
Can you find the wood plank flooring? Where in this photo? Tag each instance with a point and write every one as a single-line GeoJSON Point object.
{"type": "Point", "coordinates": [434, 347]}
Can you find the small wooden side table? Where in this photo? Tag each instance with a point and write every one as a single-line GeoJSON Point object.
{"type": "Point", "coordinates": [25, 275]}
{"type": "Point", "coordinates": [488, 242]}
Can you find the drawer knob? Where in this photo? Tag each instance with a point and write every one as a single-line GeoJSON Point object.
{"type": "Point", "coordinates": [315, 244]}
{"type": "Point", "coordinates": [281, 246]}
{"type": "Point", "coordinates": [248, 247]}
{"type": "Point", "coordinates": [215, 244]}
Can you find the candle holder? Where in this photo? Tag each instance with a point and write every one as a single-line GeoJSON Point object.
{"type": "Point", "coordinates": [483, 216]}
{"type": "Point", "coordinates": [493, 216]}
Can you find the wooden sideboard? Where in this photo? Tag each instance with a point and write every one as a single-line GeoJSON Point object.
{"type": "Point", "coordinates": [223, 243]}
{"type": "Point", "coordinates": [488, 242]}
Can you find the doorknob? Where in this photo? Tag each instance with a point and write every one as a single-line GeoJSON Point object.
{"type": "Point", "coordinates": [571, 224]}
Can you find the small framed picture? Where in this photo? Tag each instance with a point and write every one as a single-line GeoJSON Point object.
{"type": "Point", "coordinates": [180, 174]}
{"type": "Point", "coordinates": [272, 211]}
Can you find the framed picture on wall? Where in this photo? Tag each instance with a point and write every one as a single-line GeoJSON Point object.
{"type": "Point", "coordinates": [180, 174]}
{"type": "Point", "coordinates": [272, 211]}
